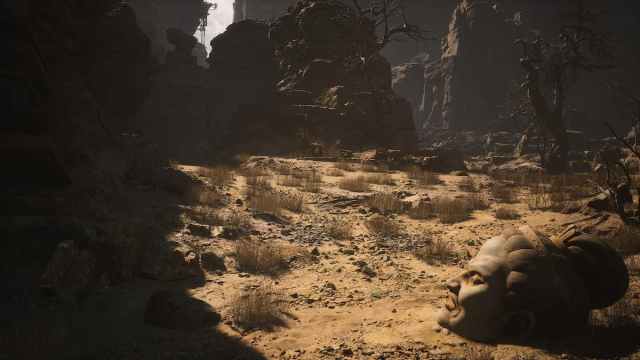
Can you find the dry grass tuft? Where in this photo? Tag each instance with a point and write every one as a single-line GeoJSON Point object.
{"type": "Point", "coordinates": [627, 241]}
{"type": "Point", "coordinates": [289, 181]}
{"type": "Point", "coordinates": [262, 307]}
{"type": "Point", "coordinates": [382, 226]}
{"type": "Point", "coordinates": [251, 172]}
{"type": "Point", "coordinates": [422, 211]}
{"type": "Point", "coordinates": [451, 211]}
{"type": "Point", "coordinates": [210, 198]}
{"type": "Point", "coordinates": [293, 202]}
{"type": "Point", "coordinates": [434, 251]}
{"type": "Point", "coordinates": [503, 193]}
{"type": "Point", "coordinates": [312, 182]}
{"type": "Point", "coordinates": [343, 165]}
{"type": "Point", "coordinates": [481, 352]}
{"type": "Point", "coordinates": [238, 221]}
{"type": "Point", "coordinates": [386, 203]}
{"type": "Point", "coordinates": [380, 179]}
{"type": "Point", "coordinates": [206, 216]}
{"type": "Point", "coordinates": [476, 201]}
{"type": "Point", "coordinates": [623, 314]}
{"type": "Point", "coordinates": [422, 177]}
{"type": "Point", "coordinates": [335, 172]}
{"type": "Point", "coordinates": [254, 256]}
{"type": "Point", "coordinates": [374, 168]}
{"type": "Point", "coordinates": [267, 202]}
{"type": "Point", "coordinates": [218, 175]}
{"type": "Point", "coordinates": [339, 228]}
{"type": "Point", "coordinates": [505, 213]}
{"type": "Point", "coordinates": [355, 184]}
{"type": "Point", "coordinates": [467, 184]}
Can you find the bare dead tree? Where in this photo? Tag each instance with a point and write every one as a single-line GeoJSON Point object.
{"type": "Point", "coordinates": [552, 67]}
{"type": "Point", "coordinates": [616, 188]}
{"type": "Point", "coordinates": [390, 21]}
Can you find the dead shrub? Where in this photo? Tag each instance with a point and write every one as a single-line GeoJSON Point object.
{"type": "Point", "coordinates": [343, 165]}
{"type": "Point", "coordinates": [218, 175]}
{"type": "Point", "coordinates": [503, 193]}
{"type": "Point", "coordinates": [210, 198]}
{"type": "Point", "coordinates": [422, 177]}
{"type": "Point", "coordinates": [355, 184]}
{"type": "Point", "coordinates": [339, 228]}
{"type": "Point", "coordinates": [258, 185]}
{"type": "Point", "coordinates": [261, 307]}
{"type": "Point", "coordinates": [627, 241]}
{"type": "Point", "coordinates": [451, 211]}
{"type": "Point", "coordinates": [267, 202]}
{"type": "Point", "coordinates": [207, 216]}
{"type": "Point", "coordinates": [335, 172]}
{"type": "Point", "coordinates": [292, 202]}
{"type": "Point", "coordinates": [633, 264]}
{"type": "Point", "coordinates": [382, 226]}
{"type": "Point", "coordinates": [252, 172]}
{"type": "Point", "coordinates": [373, 168]}
{"type": "Point", "coordinates": [385, 203]}
{"type": "Point", "coordinates": [505, 213]}
{"type": "Point", "coordinates": [312, 182]}
{"type": "Point", "coordinates": [467, 184]}
{"type": "Point", "coordinates": [434, 251]}
{"type": "Point", "coordinates": [289, 181]}
{"type": "Point", "coordinates": [538, 198]}
{"type": "Point", "coordinates": [254, 256]}
{"type": "Point", "coordinates": [476, 201]}
{"type": "Point", "coordinates": [623, 314]}
{"type": "Point", "coordinates": [380, 179]}
{"type": "Point", "coordinates": [421, 211]}
{"type": "Point", "coordinates": [238, 221]}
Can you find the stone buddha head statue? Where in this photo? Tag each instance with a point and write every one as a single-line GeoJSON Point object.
{"type": "Point", "coordinates": [522, 284]}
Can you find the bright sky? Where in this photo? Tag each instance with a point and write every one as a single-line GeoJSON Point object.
{"type": "Point", "coordinates": [218, 20]}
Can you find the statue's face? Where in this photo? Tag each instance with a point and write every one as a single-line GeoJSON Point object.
{"type": "Point", "coordinates": [475, 308]}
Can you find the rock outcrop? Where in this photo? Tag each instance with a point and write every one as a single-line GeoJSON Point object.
{"type": "Point", "coordinates": [465, 88]}
{"type": "Point", "coordinates": [313, 75]}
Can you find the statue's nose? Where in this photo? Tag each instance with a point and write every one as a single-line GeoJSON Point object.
{"type": "Point", "coordinates": [454, 286]}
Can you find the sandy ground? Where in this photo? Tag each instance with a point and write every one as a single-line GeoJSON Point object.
{"type": "Point", "coordinates": [391, 315]}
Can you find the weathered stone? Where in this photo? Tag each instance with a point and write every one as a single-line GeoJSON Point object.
{"type": "Point", "coordinates": [170, 261]}
{"type": "Point", "coordinates": [211, 261]}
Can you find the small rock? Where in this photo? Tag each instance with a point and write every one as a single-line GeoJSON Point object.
{"type": "Point", "coordinates": [199, 230]}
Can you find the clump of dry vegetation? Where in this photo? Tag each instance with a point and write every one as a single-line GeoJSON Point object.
{"type": "Point", "coordinates": [503, 192]}
{"type": "Point", "coordinates": [335, 172]}
{"type": "Point", "coordinates": [207, 216]}
{"type": "Point", "coordinates": [451, 211]}
{"type": "Point", "coordinates": [476, 201]}
{"type": "Point", "coordinates": [343, 165]}
{"type": "Point", "coordinates": [261, 307]}
{"type": "Point", "coordinates": [421, 211]}
{"type": "Point", "coordinates": [506, 213]}
{"type": "Point", "coordinates": [368, 167]}
{"type": "Point", "coordinates": [355, 184]}
{"type": "Point", "coordinates": [209, 197]}
{"type": "Point", "coordinates": [267, 202]}
{"type": "Point", "coordinates": [238, 221]}
{"type": "Point", "coordinates": [339, 228]}
{"type": "Point", "coordinates": [293, 202]}
{"type": "Point", "coordinates": [217, 175]}
{"type": "Point", "coordinates": [467, 184]}
{"type": "Point", "coordinates": [382, 226]}
{"type": "Point", "coordinates": [380, 179]}
{"type": "Point", "coordinates": [312, 182]}
{"type": "Point", "coordinates": [623, 314]}
{"type": "Point", "coordinates": [255, 256]}
{"type": "Point", "coordinates": [434, 251]}
{"type": "Point", "coordinates": [289, 181]}
{"type": "Point", "coordinates": [386, 203]}
{"type": "Point", "coordinates": [252, 172]}
{"type": "Point", "coordinates": [423, 177]}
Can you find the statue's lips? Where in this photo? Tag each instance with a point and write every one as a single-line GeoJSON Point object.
{"type": "Point", "coordinates": [452, 305]}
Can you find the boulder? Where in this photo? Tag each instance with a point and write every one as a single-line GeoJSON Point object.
{"type": "Point", "coordinates": [177, 310]}
{"type": "Point", "coordinates": [170, 261]}
{"type": "Point", "coordinates": [211, 261]}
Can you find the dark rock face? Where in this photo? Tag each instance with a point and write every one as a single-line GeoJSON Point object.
{"type": "Point", "coordinates": [313, 75]}
{"type": "Point", "coordinates": [178, 311]}
{"type": "Point", "coordinates": [465, 88]}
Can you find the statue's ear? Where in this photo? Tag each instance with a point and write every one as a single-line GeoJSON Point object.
{"type": "Point", "coordinates": [519, 325]}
